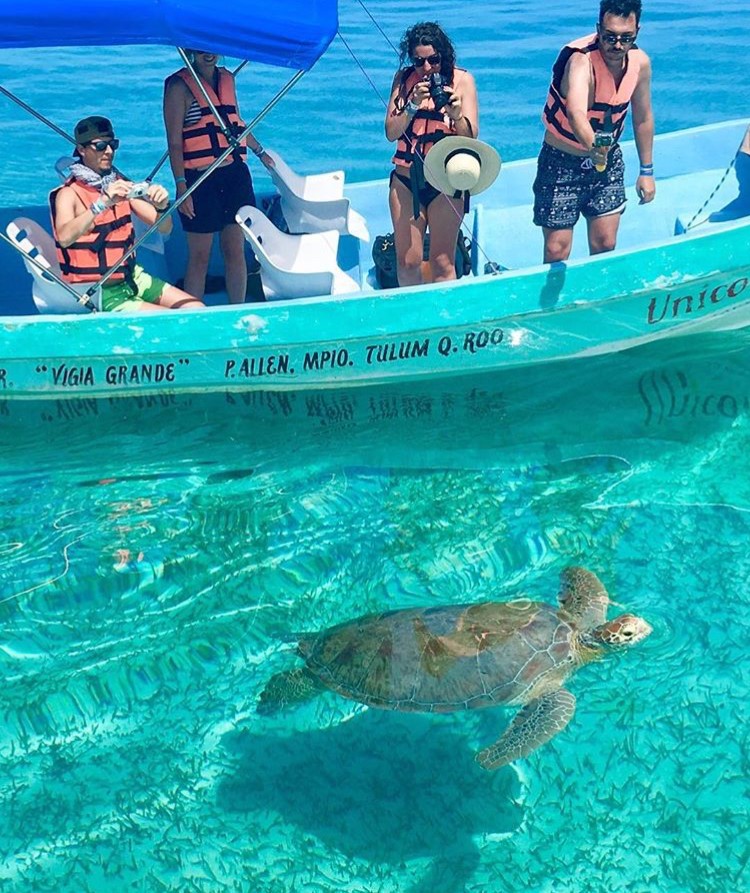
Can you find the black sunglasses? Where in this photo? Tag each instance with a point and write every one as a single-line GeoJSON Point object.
{"type": "Point", "coordinates": [433, 60]}
{"type": "Point", "coordinates": [612, 39]}
{"type": "Point", "coordinates": [101, 145]}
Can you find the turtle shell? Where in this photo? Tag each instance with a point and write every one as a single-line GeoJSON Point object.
{"type": "Point", "coordinates": [458, 657]}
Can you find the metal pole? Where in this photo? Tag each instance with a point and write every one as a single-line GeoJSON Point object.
{"type": "Point", "coordinates": [204, 93]}
{"type": "Point", "coordinates": [36, 114]}
{"type": "Point", "coordinates": [80, 298]}
{"type": "Point", "coordinates": [164, 157]}
{"type": "Point", "coordinates": [206, 173]}
{"type": "Point", "coordinates": [40, 117]}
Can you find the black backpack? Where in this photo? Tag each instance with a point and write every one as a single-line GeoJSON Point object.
{"type": "Point", "coordinates": [384, 257]}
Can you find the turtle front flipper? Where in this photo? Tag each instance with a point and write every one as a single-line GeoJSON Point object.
{"type": "Point", "coordinates": [540, 720]}
{"type": "Point", "coordinates": [583, 597]}
{"type": "Point", "coordinates": [287, 690]}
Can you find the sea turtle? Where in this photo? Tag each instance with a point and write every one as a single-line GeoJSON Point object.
{"type": "Point", "coordinates": [462, 657]}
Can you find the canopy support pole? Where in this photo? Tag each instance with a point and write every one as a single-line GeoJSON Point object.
{"type": "Point", "coordinates": [204, 175]}
{"type": "Point", "coordinates": [80, 298]}
{"type": "Point", "coordinates": [164, 157]}
{"type": "Point", "coordinates": [40, 117]}
{"type": "Point", "coordinates": [232, 140]}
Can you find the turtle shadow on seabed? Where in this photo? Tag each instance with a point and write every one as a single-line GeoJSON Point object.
{"type": "Point", "coordinates": [381, 787]}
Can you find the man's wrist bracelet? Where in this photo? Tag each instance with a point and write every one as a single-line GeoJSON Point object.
{"type": "Point", "coordinates": [178, 180]}
{"type": "Point", "coordinates": [258, 151]}
{"type": "Point", "coordinates": [411, 108]}
{"type": "Point", "coordinates": [98, 206]}
{"type": "Point", "coordinates": [647, 170]}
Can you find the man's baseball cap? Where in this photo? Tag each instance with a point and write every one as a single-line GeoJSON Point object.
{"type": "Point", "coordinates": [95, 127]}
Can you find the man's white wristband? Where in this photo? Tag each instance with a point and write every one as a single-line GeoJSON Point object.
{"type": "Point", "coordinates": [98, 206]}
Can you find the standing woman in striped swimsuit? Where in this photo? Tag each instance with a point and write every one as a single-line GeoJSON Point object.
{"type": "Point", "coordinates": [195, 139]}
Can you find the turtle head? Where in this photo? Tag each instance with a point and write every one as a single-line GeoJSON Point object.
{"type": "Point", "coordinates": [621, 632]}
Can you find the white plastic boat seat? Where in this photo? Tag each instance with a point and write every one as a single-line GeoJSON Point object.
{"type": "Point", "coordinates": [315, 203]}
{"type": "Point", "coordinates": [311, 187]}
{"type": "Point", "coordinates": [292, 265]}
{"type": "Point", "coordinates": [49, 296]}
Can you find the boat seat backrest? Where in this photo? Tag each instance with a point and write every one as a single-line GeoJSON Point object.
{"type": "Point", "coordinates": [312, 187]}
{"type": "Point", "coordinates": [315, 203]}
{"type": "Point", "coordinates": [294, 266]}
{"type": "Point", "coordinates": [35, 242]}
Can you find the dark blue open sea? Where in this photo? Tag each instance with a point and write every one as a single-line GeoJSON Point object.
{"type": "Point", "coordinates": [159, 553]}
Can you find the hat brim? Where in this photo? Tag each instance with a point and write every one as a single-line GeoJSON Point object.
{"type": "Point", "coordinates": [434, 163]}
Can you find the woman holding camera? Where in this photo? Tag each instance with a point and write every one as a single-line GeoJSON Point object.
{"type": "Point", "coordinates": [196, 138]}
{"type": "Point", "coordinates": [430, 98]}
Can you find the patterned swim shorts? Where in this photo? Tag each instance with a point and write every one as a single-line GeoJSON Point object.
{"type": "Point", "coordinates": [567, 186]}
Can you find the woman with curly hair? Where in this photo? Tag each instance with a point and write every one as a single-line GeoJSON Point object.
{"type": "Point", "coordinates": [430, 98]}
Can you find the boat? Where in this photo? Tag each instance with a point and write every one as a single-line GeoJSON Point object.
{"type": "Point", "coordinates": [680, 267]}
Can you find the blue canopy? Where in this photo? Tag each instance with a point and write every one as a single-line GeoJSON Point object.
{"type": "Point", "coordinates": [291, 33]}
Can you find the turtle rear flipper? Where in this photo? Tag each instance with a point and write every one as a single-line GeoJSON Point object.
{"type": "Point", "coordinates": [540, 720]}
{"type": "Point", "coordinates": [287, 690]}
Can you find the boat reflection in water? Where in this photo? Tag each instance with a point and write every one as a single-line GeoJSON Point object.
{"type": "Point", "coordinates": [623, 403]}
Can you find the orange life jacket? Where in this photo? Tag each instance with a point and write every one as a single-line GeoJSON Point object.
{"type": "Point", "coordinates": [204, 140]}
{"type": "Point", "coordinates": [92, 254]}
{"type": "Point", "coordinates": [610, 105]}
{"type": "Point", "coordinates": [424, 129]}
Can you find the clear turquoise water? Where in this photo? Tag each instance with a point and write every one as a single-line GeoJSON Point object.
{"type": "Point", "coordinates": [132, 756]}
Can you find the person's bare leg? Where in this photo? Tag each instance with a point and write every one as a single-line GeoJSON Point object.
{"type": "Point", "coordinates": [199, 251]}
{"type": "Point", "coordinates": [173, 298]}
{"type": "Point", "coordinates": [557, 244]}
{"type": "Point", "coordinates": [235, 265]}
{"type": "Point", "coordinates": [603, 233]}
{"type": "Point", "coordinates": [408, 234]}
{"type": "Point", "coordinates": [444, 216]}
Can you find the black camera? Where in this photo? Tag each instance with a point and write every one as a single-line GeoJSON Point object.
{"type": "Point", "coordinates": [438, 94]}
{"type": "Point", "coordinates": [602, 138]}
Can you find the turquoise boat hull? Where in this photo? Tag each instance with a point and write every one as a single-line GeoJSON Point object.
{"type": "Point", "coordinates": [656, 286]}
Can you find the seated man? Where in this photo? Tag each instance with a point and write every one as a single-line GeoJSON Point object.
{"type": "Point", "coordinates": [93, 229]}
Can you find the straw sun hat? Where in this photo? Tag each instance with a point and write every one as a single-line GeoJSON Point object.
{"type": "Point", "coordinates": [461, 164]}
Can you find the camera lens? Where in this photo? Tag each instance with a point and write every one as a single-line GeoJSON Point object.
{"type": "Point", "coordinates": [438, 94]}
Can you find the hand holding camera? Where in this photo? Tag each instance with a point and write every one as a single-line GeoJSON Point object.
{"type": "Point", "coordinates": [150, 192]}
{"type": "Point", "coordinates": [602, 143]}
{"type": "Point", "coordinates": [139, 190]}
{"type": "Point", "coordinates": [440, 96]}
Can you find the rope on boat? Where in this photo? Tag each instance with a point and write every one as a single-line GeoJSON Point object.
{"type": "Point", "coordinates": [708, 200]}
{"type": "Point", "coordinates": [377, 25]}
{"type": "Point", "coordinates": [716, 189]}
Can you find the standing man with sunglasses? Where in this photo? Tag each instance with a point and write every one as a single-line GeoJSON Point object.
{"type": "Point", "coordinates": [93, 227]}
{"type": "Point", "coordinates": [580, 168]}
